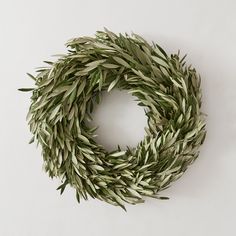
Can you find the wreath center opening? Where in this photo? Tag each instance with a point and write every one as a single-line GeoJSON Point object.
{"type": "Point", "coordinates": [120, 120]}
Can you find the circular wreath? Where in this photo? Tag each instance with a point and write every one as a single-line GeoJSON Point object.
{"type": "Point", "coordinates": [63, 100]}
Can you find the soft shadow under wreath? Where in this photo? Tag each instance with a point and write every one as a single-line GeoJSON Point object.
{"type": "Point", "coordinates": [64, 96]}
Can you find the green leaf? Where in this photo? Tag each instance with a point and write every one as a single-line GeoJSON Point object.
{"type": "Point", "coordinates": [71, 89]}
{"type": "Point", "coordinates": [110, 66]}
{"type": "Point", "coordinates": [160, 52]}
{"type": "Point", "coordinates": [113, 84]}
{"type": "Point", "coordinates": [121, 61]}
{"type": "Point", "coordinates": [94, 64]}
{"type": "Point", "coordinates": [160, 61]}
{"type": "Point", "coordinates": [97, 167]}
{"type": "Point", "coordinates": [117, 154]}
{"type": "Point", "coordinates": [54, 112]}
{"type": "Point", "coordinates": [62, 187]}
{"type": "Point", "coordinates": [184, 85]}
{"type": "Point", "coordinates": [31, 76]}
{"type": "Point", "coordinates": [74, 159]}
{"type": "Point", "coordinates": [190, 134]}
{"type": "Point", "coordinates": [25, 89]}
{"type": "Point", "coordinates": [100, 82]}
{"type": "Point", "coordinates": [134, 193]}
{"type": "Point", "coordinates": [31, 140]}
{"type": "Point", "coordinates": [83, 138]}
{"type": "Point", "coordinates": [103, 46]}
{"type": "Point", "coordinates": [81, 88]}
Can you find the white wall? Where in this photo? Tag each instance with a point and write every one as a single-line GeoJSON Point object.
{"type": "Point", "coordinates": [203, 201]}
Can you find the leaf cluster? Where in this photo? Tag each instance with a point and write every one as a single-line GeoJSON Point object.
{"type": "Point", "coordinates": [66, 92]}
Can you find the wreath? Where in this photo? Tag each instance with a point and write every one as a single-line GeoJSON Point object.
{"type": "Point", "coordinates": [63, 99]}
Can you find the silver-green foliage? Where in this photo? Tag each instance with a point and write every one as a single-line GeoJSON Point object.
{"type": "Point", "coordinates": [66, 92]}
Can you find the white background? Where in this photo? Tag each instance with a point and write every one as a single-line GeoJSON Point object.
{"type": "Point", "coordinates": [203, 201]}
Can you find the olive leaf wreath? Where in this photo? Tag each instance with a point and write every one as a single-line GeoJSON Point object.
{"type": "Point", "coordinates": [66, 92]}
